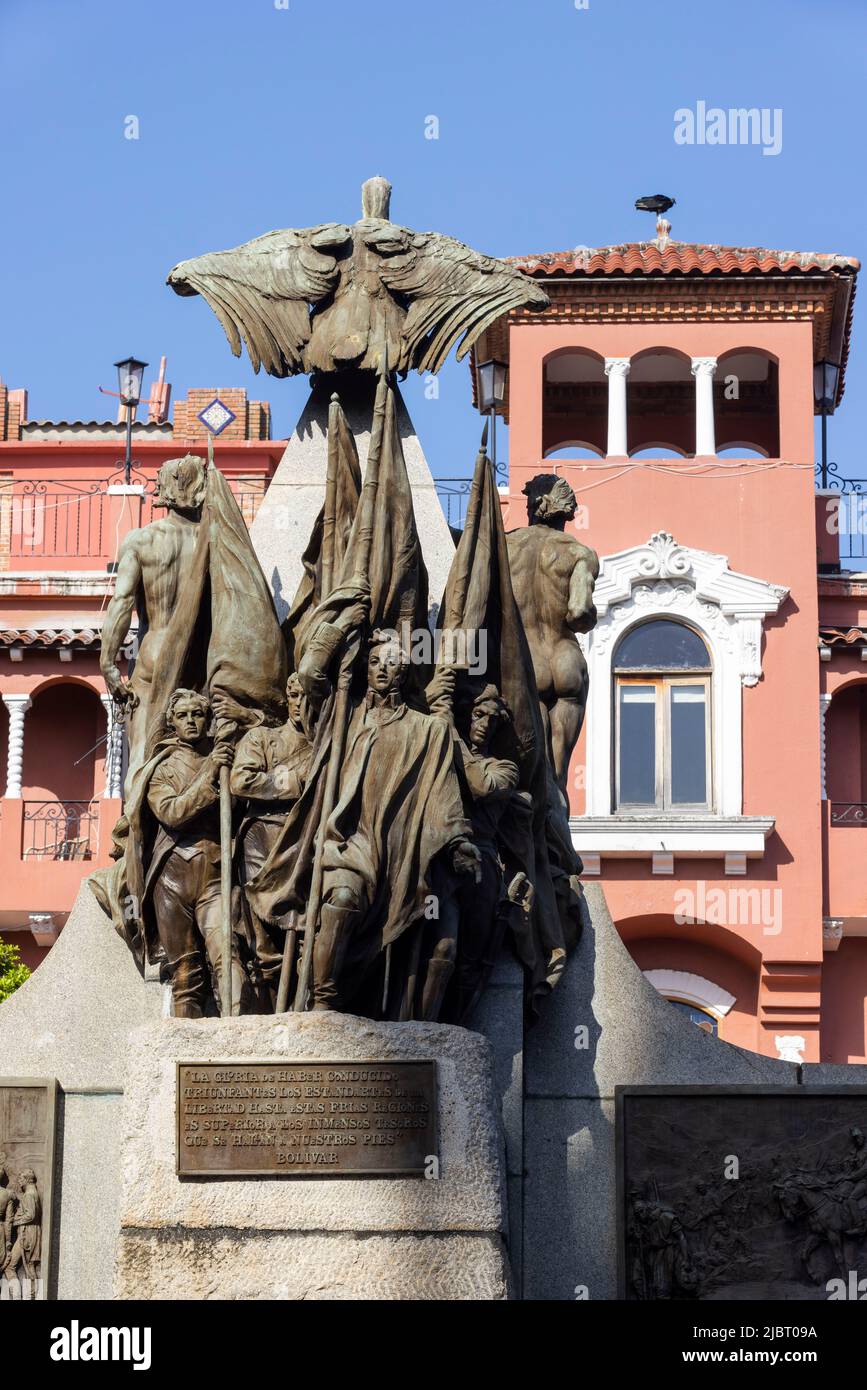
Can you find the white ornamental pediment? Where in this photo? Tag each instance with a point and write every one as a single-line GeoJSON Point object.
{"type": "Point", "coordinates": [664, 564]}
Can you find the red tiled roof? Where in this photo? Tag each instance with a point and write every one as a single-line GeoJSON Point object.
{"type": "Point", "coordinates": [664, 257]}
{"type": "Point", "coordinates": [49, 637]}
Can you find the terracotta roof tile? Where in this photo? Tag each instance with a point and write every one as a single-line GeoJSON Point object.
{"type": "Point", "coordinates": [666, 257]}
{"type": "Point", "coordinates": [49, 637]}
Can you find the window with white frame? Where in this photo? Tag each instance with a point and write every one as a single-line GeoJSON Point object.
{"type": "Point", "coordinates": [662, 692]}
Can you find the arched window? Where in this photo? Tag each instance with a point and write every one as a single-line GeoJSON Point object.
{"type": "Point", "coordinates": [574, 404]}
{"type": "Point", "coordinates": [662, 690]}
{"type": "Point", "coordinates": [702, 1018]}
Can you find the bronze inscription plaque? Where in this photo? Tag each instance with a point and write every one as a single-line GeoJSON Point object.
{"type": "Point", "coordinates": [311, 1119]}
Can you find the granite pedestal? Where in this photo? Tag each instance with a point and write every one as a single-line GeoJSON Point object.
{"type": "Point", "coordinates": [306, 1236]}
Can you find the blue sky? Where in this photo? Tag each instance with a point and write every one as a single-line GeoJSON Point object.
{"type": "Point", "coordinates": [552, 120]}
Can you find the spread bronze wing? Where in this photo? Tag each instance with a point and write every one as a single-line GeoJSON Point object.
{"type": "Point", "coordinates": [261, 291]}
{"type": "Point", "coordinates": [452, 291]}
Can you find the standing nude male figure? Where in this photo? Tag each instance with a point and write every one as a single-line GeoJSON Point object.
{"type": "Point", "coordinates": [552, 577]}
{"type": "Point", "coordinates": [153, 567]}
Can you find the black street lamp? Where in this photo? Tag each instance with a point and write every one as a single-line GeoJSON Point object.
{"type": "Point", "coordinates": [826, 376]}
{"type": "Point", "coordinates": [129, 379]}
{"type": "Point", "coordinates": [491, 391]}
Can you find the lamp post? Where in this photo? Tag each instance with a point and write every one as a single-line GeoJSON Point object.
{"type": "Point", "coordinates": [491, 390]}
{"type": "Point", "coordinates": [826, 376]}
{"type": "Point", "coordinates": [129, 379]}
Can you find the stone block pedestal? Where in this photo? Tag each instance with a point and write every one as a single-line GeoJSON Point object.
{"type": "Point", "coordinates": [311, 1237]}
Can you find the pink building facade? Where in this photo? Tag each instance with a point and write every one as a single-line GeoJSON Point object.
{"type": "Point", "coordinates": [64, 510]}
{"type": "Point", "coordinates": [717, 789]}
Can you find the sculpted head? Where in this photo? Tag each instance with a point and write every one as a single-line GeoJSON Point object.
{"type": "Point", "coordinates": [26, 1179]}
{"type": "Point", "coordinates": [550, 500]}
{"type": "Point", "coordinates": [181, 484]}
{"type": "Point", "coordinates": [387, 662]}
{"type": "Point", "coordinates": [295, 701]}
{"type": "Point", "coordinates": [489, 711]}
{"type": "Point", "coordinates": [187, 716]}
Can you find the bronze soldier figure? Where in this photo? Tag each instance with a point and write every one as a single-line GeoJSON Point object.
{"type": "Point", "coordinates": [397, 831]}
{"type": "Point", "coordinates": [482, 910]}
{"type": "Point", "coordinates": [183, 877]}
{"type": "Point", "coordinates": [269, 772]}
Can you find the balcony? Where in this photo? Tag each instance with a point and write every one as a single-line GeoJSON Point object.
{"type": "Point", "coordinates": [46, 850]}
{"type": "Point", "coordinates": [49, 524]}
{"type": "Point", "coordinates": [60, 831]}
{"type": "Point", "coordinates": [841, 519]}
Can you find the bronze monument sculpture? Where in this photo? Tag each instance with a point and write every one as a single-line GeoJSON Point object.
{"type": "Point", "coordinates": [183, 794]}
{"type": "Point", "coordinates": [364, 837]}
{"type": "Point", "coordinates": [553, 576]}
{"type": "Point", "coordinates": [153, 567]}
{"type": "Point", "coordinates": [372, 288]}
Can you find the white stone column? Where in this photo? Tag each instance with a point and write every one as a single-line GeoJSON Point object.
{"type": "Point", "coordinates": [824, 706]}
{"type": "Point", "coordinates": [17, 706]}
{"type": "Point", "coordinates": [113, 749]}
{"type": "Point", "coordinates": [617, 370]}
{"type": "Point", "coordinates": [704, 370]}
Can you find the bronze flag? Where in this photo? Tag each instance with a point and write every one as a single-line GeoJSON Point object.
{"type": "Point", "coordinates": [478, 599]}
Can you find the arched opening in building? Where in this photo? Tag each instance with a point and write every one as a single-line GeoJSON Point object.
{"type": "Point", "coordinates": [64, 742]}
{"type": "Point", "coordinates": [846, 755]}
{"type": "Point", "coordinates": [708, 972]}
{"type": "Point", "coordinates": [660, 404]}
{"type": "Point", "coordinates": [658, 451]}
{"type": "Point", "coordinates": [741, 451]}
{"type": "Point", "coordinates": [663, 735]}
{"type": "Point", "coordinates": [573, 449]}
{"type": "Point", "coordinates": [746, 403]}
{"type": "Point", "coordinates": [574, 403]}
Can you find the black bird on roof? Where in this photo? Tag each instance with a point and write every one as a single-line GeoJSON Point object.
{"type": "Point", "coordinates": [655, 202]}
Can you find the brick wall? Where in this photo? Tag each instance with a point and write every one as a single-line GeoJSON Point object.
{"type": "Point", "coordinates": [252, 418]}
{"type": "Point", "coordinates": [13, 412]}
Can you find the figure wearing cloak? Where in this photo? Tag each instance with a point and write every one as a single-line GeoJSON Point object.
{"type": "Point", "coordinates": [27, 1223]}
{"type": "Point", "coordinates": [484, 910]}
{"type": "Point", "coordinates": [269, 772]}
{"type": "Point", "coordinates": [180, 788]}
{"type": "Point", "coordinates": [396, 834]}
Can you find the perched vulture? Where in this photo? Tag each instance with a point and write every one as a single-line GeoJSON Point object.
{"type": "Point", "coordinates": [655, 202]}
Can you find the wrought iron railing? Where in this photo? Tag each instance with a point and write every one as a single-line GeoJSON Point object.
{"type": "Point", "coordinates": [60, 830]}
{"type": "Point", "coordinates": [848, 813]}
{"type": "Point", "coordinates": [454, 494]}
{"type": "Point", "coordinates": [41, 518]}
{"type": "Point", "coordinates": [850, 519]}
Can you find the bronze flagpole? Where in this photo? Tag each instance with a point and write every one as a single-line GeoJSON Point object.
{"type": "Point", "coordinates": [344, 681]}
{"type": "Point", "coordinates": [225, 854]}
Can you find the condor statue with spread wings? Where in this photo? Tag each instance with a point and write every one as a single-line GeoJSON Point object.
{"type": "Point", "coordinates": [335, 297]}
